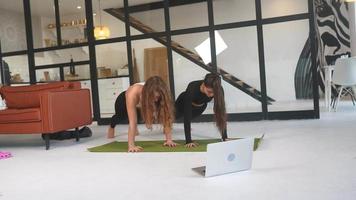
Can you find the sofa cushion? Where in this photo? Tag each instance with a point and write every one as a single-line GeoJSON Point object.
{"type": "Point", "coordinates": [20, 115]}
{"type": "Point", "coordinates": [29, 96]}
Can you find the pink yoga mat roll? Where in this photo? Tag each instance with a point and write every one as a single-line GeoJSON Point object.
{"type": "Point", "coordinates": [4, 155]}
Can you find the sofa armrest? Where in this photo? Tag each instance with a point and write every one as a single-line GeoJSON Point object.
{"type": "Point", "coordinates": [67, 109]}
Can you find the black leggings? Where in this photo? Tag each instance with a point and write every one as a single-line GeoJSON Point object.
{"type": "Point", "coordinates": [121, 115]}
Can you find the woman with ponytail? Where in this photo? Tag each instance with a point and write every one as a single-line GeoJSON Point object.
{"type": "Point", "coordinates": [193, 101]}
{"type": "Point", "coordinates": [150, 99]}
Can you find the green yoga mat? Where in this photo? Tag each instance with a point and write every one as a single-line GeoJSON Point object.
{"type": "Point", "coordinates": [157, 146]}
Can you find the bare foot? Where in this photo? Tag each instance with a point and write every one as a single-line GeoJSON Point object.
{"type": "Point", "coordinates": [111, 133]}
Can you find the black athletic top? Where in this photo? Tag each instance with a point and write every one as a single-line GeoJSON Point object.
{"type": "Point", "coordinates": [184, 105]}
{"type": "Point", "coordinates": [191, 95]}
{"type": "Point", "coordinates": [194, 95]}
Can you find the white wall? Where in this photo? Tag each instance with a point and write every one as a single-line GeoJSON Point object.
{"type": "Point", "coordinates": [13, 38]}
{"type": "Point", "coordinates": [193, 15]}
{"type": "Point", "coordinates": [276, 8]}
{"type": "Point", "coordinates": [12, 31]}
{"type": "Point", "coordinates": [228, 11]}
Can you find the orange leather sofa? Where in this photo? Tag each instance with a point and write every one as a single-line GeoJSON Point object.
{"type": "Point", "coordinates": [45, 109]}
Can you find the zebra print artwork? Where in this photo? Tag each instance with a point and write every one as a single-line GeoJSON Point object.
{"type": "Point", "coordinates": [332, 41]}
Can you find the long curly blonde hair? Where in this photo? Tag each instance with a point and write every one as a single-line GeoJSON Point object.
{"type": "Point", "coordinates": [160, 111]}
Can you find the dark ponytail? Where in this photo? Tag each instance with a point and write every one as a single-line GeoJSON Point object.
{"type": "Point", "coordinates": [213, 80]}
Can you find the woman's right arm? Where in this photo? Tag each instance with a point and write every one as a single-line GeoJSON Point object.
{"type": "Point", "coordinates": [188, 98]}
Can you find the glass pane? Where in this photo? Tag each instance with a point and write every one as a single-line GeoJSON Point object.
{"type": "Point", "coordinates": [149, 21]}
{"type": "Point", "coordinates": [73, 21]}
{"type": "Point", "coordinates": [61, 56]}
{"type": "Point", "coordinates": [197, 13]}
{"type": "Point", "coordinates": [197, 43]}
{"type": "Point", "coordinates": [112, 64]}
{"type": "Point", "coordinates": [18, 68]}
{"type": "Point", "coordinates": [43, 23]}
{"type": "Point", "coordinates": [277, 8]}
{"type": "Point", "coordinates": [111, 60]}
{"type": "Point", "coordinates": [288, 72]}
{"type": "Point", "coordinates": [185, 71]}
{"type": "Point", "coordinates": [240, 61]}
{"type": "Point", "coordinates": [12, 26]}
{"type": "Point", "coordinates": [150, 58]}
{"type": "Point", "coordinates": [184, 54]}
{"type": "Point", "coordinates": [79, 72]}
{"type": "Point", "coordinates": [228, 11]}
{"type": "Point", "coordinates": [47, 75]}
{"type": "Point", "coordinates": [109, 16]}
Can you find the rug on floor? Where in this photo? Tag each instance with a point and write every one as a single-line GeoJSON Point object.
{"type": "Point", "coordinates": [157, 146]}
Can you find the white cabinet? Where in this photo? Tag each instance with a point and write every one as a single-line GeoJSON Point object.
{"type": "Point", "coordinates": [109, 89]}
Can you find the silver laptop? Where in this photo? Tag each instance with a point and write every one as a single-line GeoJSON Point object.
{"type": "Point", "coordinates": [227, 157]}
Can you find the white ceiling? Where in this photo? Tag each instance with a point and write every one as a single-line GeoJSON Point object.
{"type": "Point", "coordinates": [67, 7]}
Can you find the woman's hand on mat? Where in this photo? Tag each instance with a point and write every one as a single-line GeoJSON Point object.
{"type": "Point", "coordinates": [135, 149]}
{"type": "Point", "coordinates": [191, 145]}
{"type": "Point", "coordinates": [170, 143]}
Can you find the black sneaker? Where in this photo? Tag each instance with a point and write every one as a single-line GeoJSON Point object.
{"type": "Point", "coordinates": [85, 132]}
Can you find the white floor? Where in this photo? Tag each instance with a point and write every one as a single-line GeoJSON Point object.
{"type": "Point", "coordinates": [299, 159]}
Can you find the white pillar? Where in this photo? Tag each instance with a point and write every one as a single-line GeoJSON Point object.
{"type": "Point", "coordinates": [352, 20]}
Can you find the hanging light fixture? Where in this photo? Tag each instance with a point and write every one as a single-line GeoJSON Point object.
{"type": "Point", "coordinates": [101, 32]}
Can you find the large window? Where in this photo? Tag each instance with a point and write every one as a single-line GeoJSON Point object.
{"type": "Point", "coordinates": [255, 50]}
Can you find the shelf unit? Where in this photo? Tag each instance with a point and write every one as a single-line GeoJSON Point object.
{"type": "Point", "coordinates": [75, 31]}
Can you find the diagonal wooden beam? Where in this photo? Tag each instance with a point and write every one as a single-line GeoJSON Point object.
{"type": "Point", "coordinates": [192, 56]}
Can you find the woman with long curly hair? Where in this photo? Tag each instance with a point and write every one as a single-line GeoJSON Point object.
{"type": "Point", "coordinates": [193, 102]}
{"type": "Point", "coordinates": [154, 101]}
